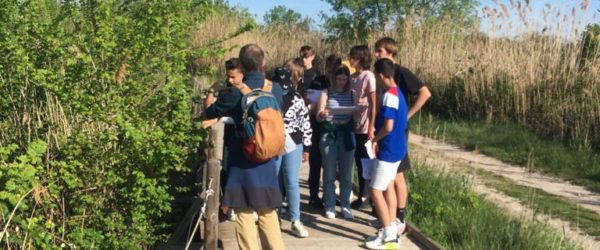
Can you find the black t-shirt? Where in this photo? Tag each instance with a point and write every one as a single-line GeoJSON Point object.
{"type": "Point", "coordinates": [408, 82]}
{"type": "Point", "coordinates": [309, 77]}
{"type": "Point", "coordinates": [320, 82]}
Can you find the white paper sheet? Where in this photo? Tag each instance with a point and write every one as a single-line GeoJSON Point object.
{"type": "Point", "coordinates": [342, 110]}
{"type": "Point", "coordinates": [369, 147]}
{"type": "Point", "coordinates": [313, 95]}
{"type": "Point", "coordinates": [290, 145]}
{"type": "Point", "coordinates": [367, 168]}
{"type": "Point", "coordinates": [227, 120]}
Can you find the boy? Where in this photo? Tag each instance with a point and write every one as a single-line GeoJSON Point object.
{"type": "Point", "coordinates": [307, 53]}
{"type": "Point", "coordinates": [389, 145]}
{"type": "Point", "coordinates": [411, 86]}
{"type": "Point", "coordinates": [235, 76]}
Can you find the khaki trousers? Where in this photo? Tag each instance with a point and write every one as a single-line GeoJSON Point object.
{"type": "Point", "coordinates": [268, 229]}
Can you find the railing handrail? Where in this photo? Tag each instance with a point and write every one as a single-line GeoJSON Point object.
{"type": "Point", "coordinates": [214, 153]}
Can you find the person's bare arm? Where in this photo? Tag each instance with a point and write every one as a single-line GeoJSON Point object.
{"type": "Point", "coordinates": [321, 112]}
{"type": "Point", "coordinates": [422, 97]}
{"type": "Point", "coordinates": [373, 108]}
{"type": "Point", "coordinates": [388, 126]}
{"type": "Point", "coordinates": [210, 98]}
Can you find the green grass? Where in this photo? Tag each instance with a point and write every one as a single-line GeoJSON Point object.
{"type": "Point", "coordinates": [543, 202]}
{"type": "Point", "coordinates": [445, 207]}
{"type": "Point", "coordinates": [515, 144]}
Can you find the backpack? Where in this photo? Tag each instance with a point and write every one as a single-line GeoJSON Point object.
{"type": "Point", "coordinates": [263, 128]}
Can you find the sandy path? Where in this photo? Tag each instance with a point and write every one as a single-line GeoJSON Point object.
{"type": "Point", "coordinates": [437, 153]}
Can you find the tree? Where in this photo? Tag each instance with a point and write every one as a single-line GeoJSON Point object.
{"type": "Point", "coordinates": [356, 19]}
{"type": "Point", "coordinates": [280, 15]}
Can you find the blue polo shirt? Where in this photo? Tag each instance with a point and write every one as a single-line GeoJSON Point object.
{"type": "Point", "coordinates": [393, 146]}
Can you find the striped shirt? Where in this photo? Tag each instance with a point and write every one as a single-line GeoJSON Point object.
{"type": "Point", "coordinates": [336, 100]}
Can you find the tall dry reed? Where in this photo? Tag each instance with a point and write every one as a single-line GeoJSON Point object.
{"type": "Point", "coordinates": [531, 76]}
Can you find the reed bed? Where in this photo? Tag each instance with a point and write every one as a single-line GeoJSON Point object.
{"type": "Point", "coordinates": [534, 76]}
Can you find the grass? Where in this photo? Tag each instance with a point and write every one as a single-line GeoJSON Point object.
{"type": "Point", "coordinates": [517, 145]}
{"type": "Point", "coordinates": [549, 204]}
{"type": "Point", "coordinates": [445, 207]}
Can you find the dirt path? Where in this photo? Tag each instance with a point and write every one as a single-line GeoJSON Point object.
{"type": "Point", "coordinates": [438, 153]}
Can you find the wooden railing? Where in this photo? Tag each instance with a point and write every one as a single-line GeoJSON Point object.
{"type": "Point", "coordinates": [213, 172]}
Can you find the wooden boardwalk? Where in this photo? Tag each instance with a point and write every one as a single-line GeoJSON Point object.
{"type": "Point", "coordinates": [324, 233]}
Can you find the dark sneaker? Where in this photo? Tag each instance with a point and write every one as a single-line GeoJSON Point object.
{"type": "Point", "coordinates": [316, 203]}
{"type": "Point", "coordinates": [356, 203]}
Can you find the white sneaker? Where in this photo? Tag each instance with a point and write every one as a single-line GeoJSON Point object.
{"type": "Point", "coordinates": [330, 213]}
{"type": "Point", "coordinates": [401, 226]}
{"type": "Point", "coordinates": [299, 230]}
{"type": "Point", "coordinates": [380, 242]}
{"type": "Point", "coordinates": [347, 213]}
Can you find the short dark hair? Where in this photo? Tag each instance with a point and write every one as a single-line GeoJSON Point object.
{"type": "Point", "coordinates": [306, 51]}
{"type": "Point", "coordinates": [385, 66]}
{"type": "Point", "coordinates": [233, 63]}
{"type": "Point", "coordinates": [251, 57]}
{"type": "Point", "coordinates": [363, 55]}
{"type": "Point", "coordinates": [333, 61]}
{"type": "Point", "coordinates": [389, 44]}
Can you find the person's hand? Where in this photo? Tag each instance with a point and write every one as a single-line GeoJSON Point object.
{"type": "Point", "coordinates": [305, 156]}
{"type": "Point", "coordinates": [210, 122]}
{"type": "Point", "coordinates": [371, 133]}
{"type": "Point", "coordinates": [323, 115]}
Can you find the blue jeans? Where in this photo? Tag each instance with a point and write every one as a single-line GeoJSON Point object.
{"type": "Point", "coordinates": [289, 174]}
{"type": "Point", "coordinates": [336, 158]}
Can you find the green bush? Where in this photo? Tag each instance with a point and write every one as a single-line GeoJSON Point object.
{"type": "Point", "coordinates": [96, 119]}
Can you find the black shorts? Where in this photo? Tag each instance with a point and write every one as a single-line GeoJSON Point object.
{"type": "Point", "coordinates": [405, 163]}
{"type": "Point", "coordinates": [361, 151]}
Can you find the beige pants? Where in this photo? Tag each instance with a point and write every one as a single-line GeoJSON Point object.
{"type": "Point", "coordinates": [268, 229]}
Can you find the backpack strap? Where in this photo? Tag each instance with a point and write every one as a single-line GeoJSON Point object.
{"type": "Point", "coordinates": [267, 86]}
{"type": "Point", "coordinates": [243, 88]}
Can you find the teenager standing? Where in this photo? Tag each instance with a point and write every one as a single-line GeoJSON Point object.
{"type": "Point", "coordinates": [297, 127]}
{"type": "Point", "coordinates": [363, 84]}
{"type": "Point", "coordinates": [411, 86]}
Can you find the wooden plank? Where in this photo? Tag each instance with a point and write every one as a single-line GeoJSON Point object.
{"type": "Point", "coordinates": [324, 233]}
{"type": "Point", "coordinates": [421, 238]}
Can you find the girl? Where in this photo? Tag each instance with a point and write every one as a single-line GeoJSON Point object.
{"type": "Point", "coordinates": [320, 83]}
{"type": "Point", "coordinates": [297, 126]}
{"type": "Point", "coordinates": [337, 141]}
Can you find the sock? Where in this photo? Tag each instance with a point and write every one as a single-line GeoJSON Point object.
{"type": "Point", "coordinates": [390, 233]}
{"type": "Point", "coordinates": [400, 214]}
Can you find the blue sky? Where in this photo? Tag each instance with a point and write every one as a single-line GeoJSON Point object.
{"type": "Point", "coordinates": [312, 8]}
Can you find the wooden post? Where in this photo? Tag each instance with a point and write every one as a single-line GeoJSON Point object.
{"type": "Point", "coordinates": [215, 156]}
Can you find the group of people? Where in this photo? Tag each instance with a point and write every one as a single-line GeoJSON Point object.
{"type": "Point", "coordinates": [350, 115]}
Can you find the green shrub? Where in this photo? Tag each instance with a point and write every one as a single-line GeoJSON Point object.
{"type": "Point", "coordinates": [445, 207]}
{"type": "Point", "coordinates": [96, 119]}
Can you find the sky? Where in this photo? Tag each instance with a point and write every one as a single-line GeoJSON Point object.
{"type": "Point", "coordinates": [313, 8]}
